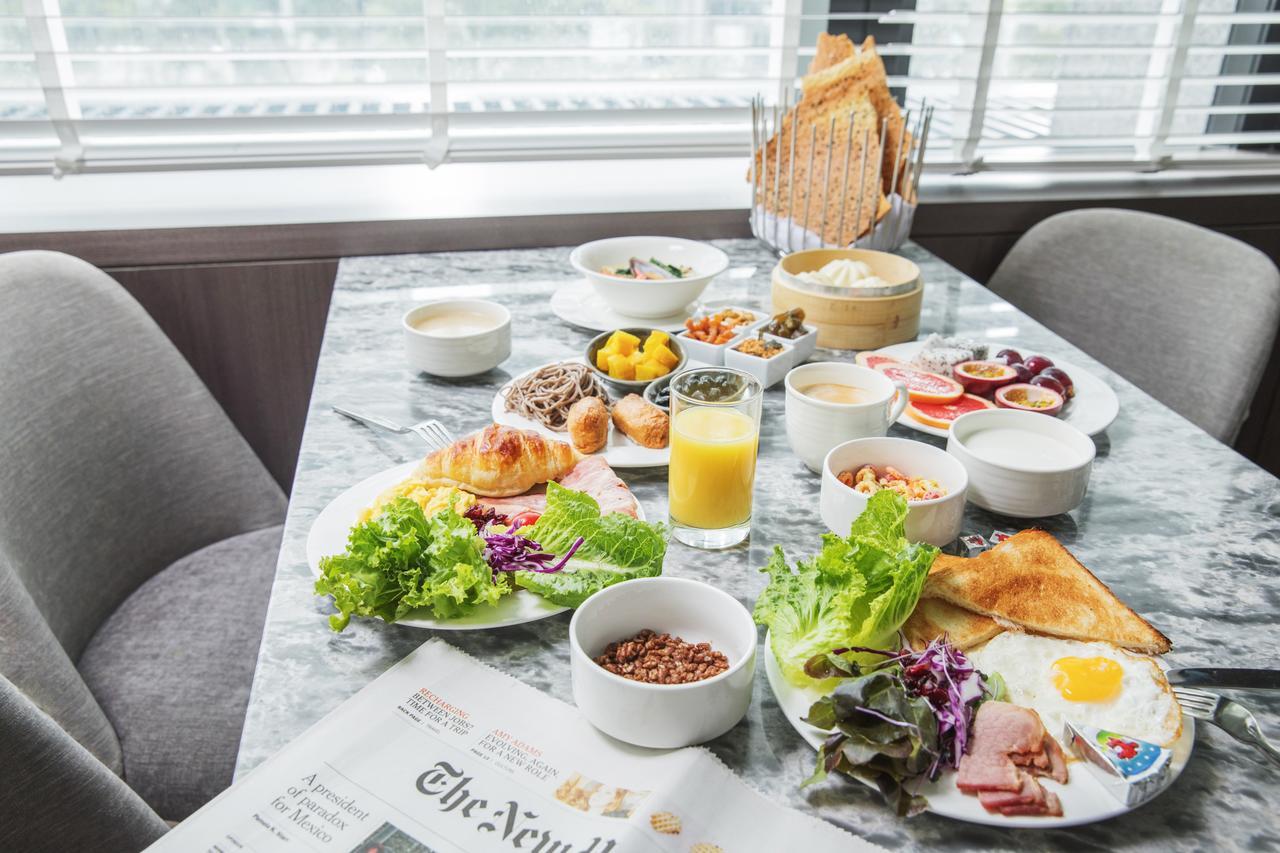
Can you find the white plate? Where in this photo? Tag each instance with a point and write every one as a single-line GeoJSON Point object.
{"type": "Point", "coordinates": [1084, 799]}
{"type": "Point", "coordinates": [579, 305]}
{"type": "Point", "coordinates": [619, 452]}
{"type": "Point", "coordinates": [329, 536]}
{"type": "Point", "coordinates": [1093, 408]}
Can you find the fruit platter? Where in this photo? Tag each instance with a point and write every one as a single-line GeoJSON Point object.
{"type": "Point", "coordinates": [947, 377]}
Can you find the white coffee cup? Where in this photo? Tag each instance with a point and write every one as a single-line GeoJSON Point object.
{"type": "Point", "coordinates": [815, 426]}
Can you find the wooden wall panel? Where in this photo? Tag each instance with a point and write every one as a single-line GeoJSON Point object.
{"type": "Point", "coordinates": [253, 333]}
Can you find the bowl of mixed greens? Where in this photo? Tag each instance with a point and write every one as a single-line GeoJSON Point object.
{"type": "Point", "coordinates": [649, 277]}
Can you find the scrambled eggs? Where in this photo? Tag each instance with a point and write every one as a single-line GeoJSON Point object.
{"type": "Point", "coordinates": [432, 499]}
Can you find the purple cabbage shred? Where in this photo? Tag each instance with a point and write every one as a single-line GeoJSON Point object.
{"type": "Point", "coordinates": [944, 677]}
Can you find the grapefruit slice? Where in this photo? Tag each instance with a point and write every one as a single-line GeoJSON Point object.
{"type": "Point", "coordinates": [870, 358]}
{"type": "Point", "coordinates": [922, 386]}
{"type": "Point", "coordinates": [941, 415]}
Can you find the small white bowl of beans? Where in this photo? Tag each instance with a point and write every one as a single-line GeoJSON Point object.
{"type": "Point", "coordinates": [662, 662]}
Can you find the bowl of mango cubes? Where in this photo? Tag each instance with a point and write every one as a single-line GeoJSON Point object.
{"type": "Point", "coordinates": [632, 358]}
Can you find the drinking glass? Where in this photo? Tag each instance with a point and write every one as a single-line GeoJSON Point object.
{"type": "Point", "coordinates": [715, 432]}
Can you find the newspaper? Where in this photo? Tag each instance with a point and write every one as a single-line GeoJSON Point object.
{"type": "Point", "coordinates": [443, 753]}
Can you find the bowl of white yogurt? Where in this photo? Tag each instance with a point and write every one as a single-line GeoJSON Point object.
{"type": "Point", "coordinates": [1022, 464]}
{"type": "Point", "coordinates": [457, 337]}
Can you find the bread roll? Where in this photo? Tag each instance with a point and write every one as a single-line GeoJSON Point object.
{"type": "Point", "coordinates": [641, 421]}
{"type": "Point", "coordinates": [589, 424]}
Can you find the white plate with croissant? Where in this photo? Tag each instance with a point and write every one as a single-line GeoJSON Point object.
{"type": "Point", "coordinates": [505, 469]}
{"type": "Point", "coordinates": [622, 424]}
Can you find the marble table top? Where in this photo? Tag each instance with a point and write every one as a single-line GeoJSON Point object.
{"type": "Point", "coordinates": [1181, 527]}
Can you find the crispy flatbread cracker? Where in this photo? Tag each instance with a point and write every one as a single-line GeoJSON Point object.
{"type": "Point", "coordinates": [810, 193]}
{"type": "Point", "coordinates": [859, 72]}
{"type": "Point", "coordinates": [847, 85]}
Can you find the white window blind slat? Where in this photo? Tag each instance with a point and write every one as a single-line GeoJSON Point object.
{"type": "Point", "coordinates": [1130, 84]}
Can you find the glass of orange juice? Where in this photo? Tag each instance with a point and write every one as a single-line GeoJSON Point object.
{"type": "Point", "coordinates": [715, 431]}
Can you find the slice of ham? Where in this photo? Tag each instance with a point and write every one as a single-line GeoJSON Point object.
{"type": "Point", "coordinates": [1031, 793]}
{"type": "Point", "coordinates": [1051, 807]}
{"type": "Point", "coordinates": [592, 475]}
{"type": "Point", "coordinates": [1008, 750]}
{"type": "Point", "coordinates": [1057, 761]}
{"type": "Point", "coordinates": [531, 501]}
{"type": "Point", "coordinates": [983, 772]}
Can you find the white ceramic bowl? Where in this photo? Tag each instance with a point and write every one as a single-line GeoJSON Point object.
{"type": "Point", "coordinates": [662, 715]}
{"type": "Point", "coordinates": [457, 355]}
{"type": "Point", "coordinates": [935, 521]}
{"type": "Point", "coordinates": [649, 299]}
{"type": "Point", "coordinates": [1035, 467]}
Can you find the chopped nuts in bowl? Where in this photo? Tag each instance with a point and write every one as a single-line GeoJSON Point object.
{"type": "Point", "coordinates": [690, 649]}
{"type": "Point", "coordinates": [662, 659]}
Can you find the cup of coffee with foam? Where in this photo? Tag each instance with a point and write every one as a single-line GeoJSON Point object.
{"type": "Point", "coordinates": [831, 402]}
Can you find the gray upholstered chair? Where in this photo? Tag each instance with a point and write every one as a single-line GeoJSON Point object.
{"type": "Point", "coordinates": [1186, 314]}
{"type": "Point", "coordinates": [138, 541]}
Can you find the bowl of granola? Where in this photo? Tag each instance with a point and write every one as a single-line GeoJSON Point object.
{"type": "Point", "coordinates": [932, 481]}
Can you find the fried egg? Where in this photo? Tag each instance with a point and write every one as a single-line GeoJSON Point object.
{"type": "Point", "coordinates": [1096, 684]}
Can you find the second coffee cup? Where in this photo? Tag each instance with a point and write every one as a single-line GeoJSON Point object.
{"type": "Point", "coordinates": [830, 402]}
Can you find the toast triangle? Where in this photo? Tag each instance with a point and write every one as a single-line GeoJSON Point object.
{"type": "Point", "coordinates": [934, 618]}
{"type": "Point", "coordinates": [1030, 581]}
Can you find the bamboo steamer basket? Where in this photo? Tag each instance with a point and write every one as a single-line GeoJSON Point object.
{"type": "Point", "coordinates": [852, 322]}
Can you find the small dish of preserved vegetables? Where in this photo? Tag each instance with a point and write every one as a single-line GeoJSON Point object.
{"type": "Point", "coordinates": [788, 324]}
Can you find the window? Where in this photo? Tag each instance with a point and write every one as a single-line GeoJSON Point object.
{"type": "Point", "coordinates": [150, 84]}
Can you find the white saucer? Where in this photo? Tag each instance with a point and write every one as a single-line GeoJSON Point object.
{"type": "Point", "coordinates": [579, 305]}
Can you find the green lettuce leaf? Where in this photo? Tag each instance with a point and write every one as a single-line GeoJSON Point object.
{"type": "Point", "coordinates": [890, 747]}
{"type": "Point", "coordinates": [400, 561]}
{"type": "Point", "coordinates": [615, 548]}
{"type": "Point", "coordinates": [808, 612]}
{"type": "Point", "coordinates": [857, 591]}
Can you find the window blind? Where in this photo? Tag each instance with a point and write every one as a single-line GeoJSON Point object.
{"type": "Point", "coordinates": [1016, 84]}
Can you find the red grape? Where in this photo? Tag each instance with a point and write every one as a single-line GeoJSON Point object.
{"type": "Point", "coordinates": [1062, 378]}
{"type": "Point", "coordinates": [1050, 383]}
{"type": "Point", "coordinates": [1037, 364]}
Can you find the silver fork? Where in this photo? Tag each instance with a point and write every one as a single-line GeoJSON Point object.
{"type": "Point", "coordinates": [1232, 717]}
{"type": "Point", "coordinates": [432, 432]}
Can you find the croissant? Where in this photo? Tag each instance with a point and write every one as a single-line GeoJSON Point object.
{"type": "Point", "coordinates": [498, 462]}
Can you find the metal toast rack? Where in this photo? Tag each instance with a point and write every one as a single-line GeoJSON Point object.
{"type": "Point", "coordinates": [784, 234]}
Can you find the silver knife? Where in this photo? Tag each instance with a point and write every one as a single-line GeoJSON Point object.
{"type": "Point", "coordinates": [1224, 677]}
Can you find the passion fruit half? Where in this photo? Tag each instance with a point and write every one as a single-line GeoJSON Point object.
{"type": "Point", "coordinates": [983, 377]}
{"type": "Point", "coordinates": [1029, 398]}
